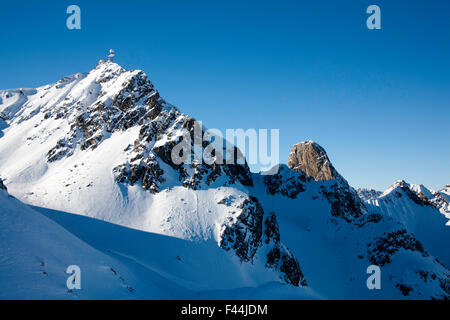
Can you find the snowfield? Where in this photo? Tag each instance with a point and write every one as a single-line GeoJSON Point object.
{"type": "Point", "coordinates": [37, 245]}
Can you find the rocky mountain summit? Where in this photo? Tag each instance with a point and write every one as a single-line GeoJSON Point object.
{"type": "Point", "coordinates": [100, 145]}
{"type": "Point", "coordinates": [312, 159]}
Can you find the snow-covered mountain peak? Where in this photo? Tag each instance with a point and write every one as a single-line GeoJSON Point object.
{"type": "Point", "coordinates": [72, 95]}
{"type": "Point", "coordinates": [419, 194]}
{"type": "Point", "coordinates": [99, 144]}
{"type": "Point", "coordinates": [397, 185]}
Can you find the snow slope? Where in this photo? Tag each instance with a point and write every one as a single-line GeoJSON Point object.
{"type": "Point", "coordinates": [35, 253]}
{"type": "Point", "coordinates": [201, 267]}
{"type": "Point", "coordinates": [117, 262]}
{"type": "Point", "coordinates": [410, 205]}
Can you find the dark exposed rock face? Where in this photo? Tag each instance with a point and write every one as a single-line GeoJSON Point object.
{"type": "Point", "coordinates": [440, 202]}
{"type": "Point", "coordinates": [405, 289]}
{"type": "Point", "coordinates": [368, 219]}
{"type": "Point", "coordinates": [147, 172]}
{"type": "Point", "coordinates": [418, 198]}
{"type": "Point", "coordinates": [244, 236]}
{"type": "Point", "coordinates": [194, 174]}
{"type": "Point", "coordinates": [253, 230]}
{"type": "Point", "coordinates": [2, 186]}
{"type": "Point", "coordinates": [445, 286]}
{"type": "Point", "coordinates": [135, 103]}
{"type": "Point", "coordinates": [382, 249]}
{"type": "Point", "coordinates": [279, 257]}
{"type": "Point", "coordinates": [155, 146]}
{"type": "Point", "coordinates": [286, 182]}
{"type": "Point", "coordinates": [444, 283]}
{"type": "Point", "coordinates": [311, 159]}
{"type": "Point", "coordinates": [368, 194]}
{"type": "Point", "coordinates": [344, 201]}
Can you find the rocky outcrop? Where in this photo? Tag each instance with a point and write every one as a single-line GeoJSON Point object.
{"type": "Point", "coordinates": [254, 232]}
{"type": "Point", "coordinates": [380, 251]}
{"type": "Point", "coordinates": [311, 159]}
{"type": "Point", "coordinates": [419, 198]}
{"type": "Point", "coordinates": [135, 102]}
{"type": "Point", "coordinates": [286, 182]}
{"type": "Point", "coordinates": [2, 186]}
{"type": "Point", "coordinates": [279, 257]}
{"type": "Point", "coordinates": [244, 235]}
{"type": "Point", "coordinates": [438, 199]}
{"type": "Point", "coordinates": [344, 200]}
{"type": "Point", "coordinates": [157, 139]}
{"type": "Point", "coordinates": [368, 194]}
{"type": "Point", "coordinates": [441, 201]}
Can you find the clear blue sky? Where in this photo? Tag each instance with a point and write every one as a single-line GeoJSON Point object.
{"type": "Point", "coordinates": [378, 101]}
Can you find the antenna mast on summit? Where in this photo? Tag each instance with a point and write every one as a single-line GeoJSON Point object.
{"type": "Point", "coordinates": [111, 55]}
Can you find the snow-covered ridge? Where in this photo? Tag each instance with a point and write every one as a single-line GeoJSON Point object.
{"type": "Point", "coordinates": [97, 143]}
{"type": "Point", "coordinates": [368, 194]}
{"type": "Point", "coordinates": [420, 211]}
{"type": "Point", "coordinates": [419, 194]}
